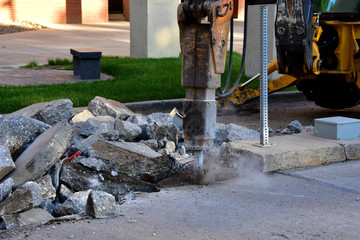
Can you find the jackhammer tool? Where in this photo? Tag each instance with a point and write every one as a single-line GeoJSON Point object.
{"type": "Point", "coordinates": [203, 45]}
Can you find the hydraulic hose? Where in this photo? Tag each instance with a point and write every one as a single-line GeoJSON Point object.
{"type": "Point", "coordinates": [224, 92]}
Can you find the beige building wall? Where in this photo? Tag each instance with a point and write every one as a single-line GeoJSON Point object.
{"type": "Point", "coordinates": [154, 32]}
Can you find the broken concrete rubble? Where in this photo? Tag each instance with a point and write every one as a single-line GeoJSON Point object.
{"type": "Point", "coordinates": [73, 205]}
{"type": "Point", "coordinates": [24, 198]}
{"type": "Point", "coordinates": [42, 154]}
{"type": "Point", "coordinates": [109, 167]}
{"type": "Point", "coordinates": [134, 159]}
{"type": "Point", "coordinates": [48, 112]}
{"type": "Point", "coordinates": [93, 124]}
{"type": "Point", "coordinates": [17, 132]}
{"type": "Point", "coordinates": [6, 162]}
{"type": "Point", "coordinates": [100, 106]}
{"type": "Point", "coordinates": [80, 178]}
{"type": "Point", "coordinates": [293, 128]}
{"type": "Point", "coordinates": [92, 163]}
{"type": "Point", "coordinates": [101, 205]}
{"type": "Point", "coordinates": [233, 133]}
{"type": "Point", "coordinates": [82, 117]}
{"type": "Point", "coordinates": [127, 131]}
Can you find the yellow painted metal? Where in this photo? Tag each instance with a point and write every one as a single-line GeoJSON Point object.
{"type": "Point", "coordinates": [347, 48]}
{"type": "Point", "coordinates": [241, 95]}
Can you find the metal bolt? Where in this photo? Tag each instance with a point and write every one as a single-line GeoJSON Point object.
{"type": "Point", "coordinates": [281, 30]}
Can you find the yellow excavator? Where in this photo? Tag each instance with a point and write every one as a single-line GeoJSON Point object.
{"type": "Point", "coordinates": [317, 44]}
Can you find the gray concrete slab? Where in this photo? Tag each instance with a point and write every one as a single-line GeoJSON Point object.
{"type": "Point", "coordinates": [294, 151]}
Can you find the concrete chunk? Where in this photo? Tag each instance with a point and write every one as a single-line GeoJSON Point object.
{"type": "Point", "coordinates": [18, 132]}
{"type": "Point", "coordinates": [43, 153]}
{"type": "Point", "coordinates": [91, 163]}
{"type": "Point", "coordinates": [73, 205]}
{"type": "Point", "coordinates": [48, 112]}
{"type": "Point", "coordinates": [5, 189]}
{"type": "Point", "coordinates": [6, 162]}
{"type": "Point", "coordinates": [24, 198]}
{"type": "Point", "coordinates": [33, 216]}
{"type": "Point", "coordinates": [82, 117]}
{"type": "Point", "coordinates": [65, 192]}
{"type": "Point", "coordinates": [309, 150]}
{"type": "Point", "coordinates": [93, 124]}
{"type": "Point", "coordinates": [48, 190]}
{"type": "Point", "coordinates": [101, 205]}
{"type": "Point", "coordinates": [81, 178]}
{"type": "Point", "coordinates": [134, 159]}
{"type": "Point", "coordinates": [127, 131]}
{"type": "Point", "coordinates": [100, 106]}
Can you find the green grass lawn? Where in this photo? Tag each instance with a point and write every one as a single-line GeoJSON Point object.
{"type": "Point", "coordinates": [134, 80]}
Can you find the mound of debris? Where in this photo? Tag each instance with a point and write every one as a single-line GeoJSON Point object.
{"type": "Point", "coordinates": [14, 26]}
{"type": "Point", "coordinates": [55, 163]}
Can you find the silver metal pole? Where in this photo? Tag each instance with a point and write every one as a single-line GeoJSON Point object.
{"type": "Point", "coordinates": [264, 129]}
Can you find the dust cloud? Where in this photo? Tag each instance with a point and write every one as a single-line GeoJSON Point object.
{"type": "Point", "coordinates": [222, 164]}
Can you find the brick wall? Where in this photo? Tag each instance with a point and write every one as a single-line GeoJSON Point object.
{"type": "Point", "coordinates": [95, 11]}
{"type": "Point", "coordinates": [55, 11]}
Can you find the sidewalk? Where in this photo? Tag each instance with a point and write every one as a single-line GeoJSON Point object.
{"type": "Point", "coordinates": [112, 38]}
{"type": "Point", "coordinates": [18, 49]}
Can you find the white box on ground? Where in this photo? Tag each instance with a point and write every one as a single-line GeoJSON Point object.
{"type": "Point", "coordinates": [338, 127]}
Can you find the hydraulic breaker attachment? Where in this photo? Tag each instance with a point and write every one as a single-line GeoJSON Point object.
{"type": "Point", "coordinates": [203, 45]}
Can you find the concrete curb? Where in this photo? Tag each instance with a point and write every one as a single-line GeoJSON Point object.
{"type": "Point", "coordinates": [147, 107]}
{"type": "Point", "coordinates": [309, 150]}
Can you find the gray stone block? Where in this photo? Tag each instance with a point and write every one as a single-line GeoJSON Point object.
{"type": "Point", "coordinates": [101, 205]}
